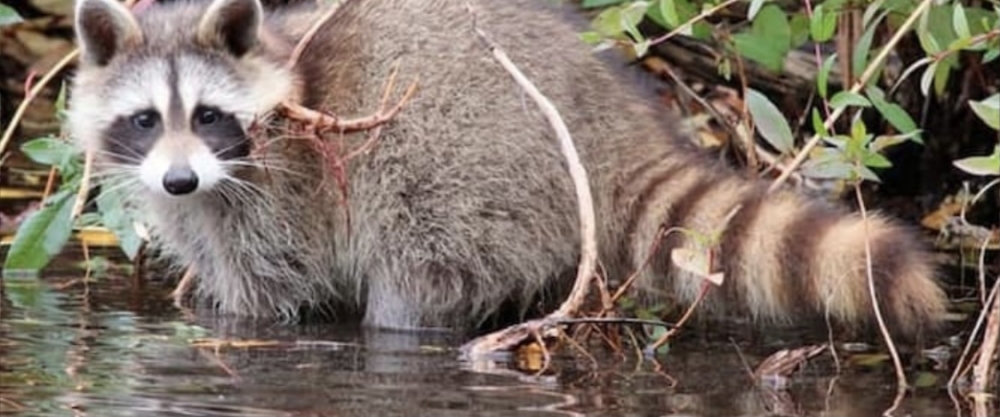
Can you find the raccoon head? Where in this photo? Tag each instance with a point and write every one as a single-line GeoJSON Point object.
{"type": "Point", "coordinates": [169, 93]}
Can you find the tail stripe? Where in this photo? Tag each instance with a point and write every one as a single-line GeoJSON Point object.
{"type": "Point", "coordinates": [802, 246]}
{"type": "Point", "coordinates": [681, 209]}
{"type": "Point", "coordinates": [733, 246]}
{"type": "Point", "coordinates": [638, 208]}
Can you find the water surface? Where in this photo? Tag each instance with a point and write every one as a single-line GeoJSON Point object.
{"type": "Point", "coordinates": [117, 347]}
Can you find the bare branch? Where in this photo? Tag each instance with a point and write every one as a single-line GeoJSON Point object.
{"type": "Point", "coordinates": [515, 335]}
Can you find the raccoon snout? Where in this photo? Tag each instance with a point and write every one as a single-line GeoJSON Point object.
{"type": "Point", "coordinates": [180, 180]}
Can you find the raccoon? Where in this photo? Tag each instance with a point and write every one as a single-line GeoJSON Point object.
{"type": "Point", "coordinates": [465, 205]}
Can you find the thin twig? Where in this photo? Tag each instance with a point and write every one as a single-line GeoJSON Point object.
{"type": "Point", "coordinates": [293, 59]}
{"type": "Point", "coordinates": [653, 249]}
{"type": "Point", "coordinates": [684, 27]}
{"type": "Point", "coordinates": [81, 193]}
{"type": "Point", "coordinates": [588, 222]}
{"type": "Point", "coordinates": [705, 286]}
{"type": "Point", "coordinates": [373, 135]}
{"type": "Point", "coordinates": [614, 320]}
{"type": "Point", "coordinates": [973, 336]}
{"type": "Point", "coordinates": [323, 121]}
{"type": "Point", "coordinates": [183, 287]}
{"type": "Point", "coordinates": [588, 226]}
{"type": "Point", "coordinates": [987, 350]}
{"type": "Point", "coordinates": [901, 383]}
{"type": "Point", "coordinates": [50, 183]}
{"type": "Point", "coordinates": [576, 345]}
{"type": "Point", "coordinates": [31, 95]}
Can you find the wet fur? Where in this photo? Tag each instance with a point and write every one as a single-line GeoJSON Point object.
{"type": "Point", "coordinates": [466, 203]}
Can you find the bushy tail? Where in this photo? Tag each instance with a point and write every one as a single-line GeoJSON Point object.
{"type": "Point", "coordinates": [785, 257]}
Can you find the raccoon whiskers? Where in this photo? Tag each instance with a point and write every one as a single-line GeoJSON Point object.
{"type": "Point", "coordinates": [116, 174]}
{"type": "Point", "coordinates": [248, 193]}
{"type": "Point", "coordinates": [115, 156]}
{"type": "Point", "coordinates": [133, 156]}
{"type": "Point", "coordinates": [266, 164]}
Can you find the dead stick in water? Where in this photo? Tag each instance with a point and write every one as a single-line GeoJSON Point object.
{"type": "Point", "coordinates": [512, 336]}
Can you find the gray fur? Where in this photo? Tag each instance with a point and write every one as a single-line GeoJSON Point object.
{"type": "Point", "coordinates": [464, 204]}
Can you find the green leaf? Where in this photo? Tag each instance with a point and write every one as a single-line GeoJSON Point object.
{"type": "Point", "coordinates": [847, 98]}
{"type": "Point", "coordinates": [925, 380]}
{"type": "Point", "coordinates": [818, 126]}
{"type": "Point", "coordinates": [827, 163]}
{"type": "Point", "coordinates": [940, 23]}
{"type": "Point", "coordinates": [863, 48]}
{"type": "Point", "coordinates": [865, 173]}
{"type": "Point", "coordinates": [941, 74]}
{"type": "Point", "coordinates": [990, 55]}
{"type": "Point", "coordinates": [631, 15]}
{"type": "Point", "coordinates": [616, 21]}
{"type": "Point", "coordinates": [893, 113]}
{"type": "Point", "coordinates": [768, 40]}
{"type": "Point", "coordinates": [754, 8]}
{"type": "Point", "coordinates": [42, 235]}
{"type": "Point", "coordinates": [769, 121]}
{"type": "Point", "coordinates": [8, 15]}
{"type": "Point", "coordinates": [640, 48]}
{"type": "Point", "coordinates": [61, 102]}
{"type": "Point", "coordinates": [823, 24]}
{"type": "Point", "coordinates": [959, 22]}
{"type": "Point", "coordinates": [870, 11]}
{"type": "Point", "coordinates": [757, 49]}
{"type": "Point", "coordinates": [875, 160]}
{"type": "Point", "coordinates": [912, 68]}
{"type": "Point", "coordinates": [822, 79]}
{"type": "Point", "coordinates": [609, 23]}
{"type": "Point", "coordinates": [887, 141]}
{"type": "Point", "coordinates": [591, 37]}
{"type": "Point", "coordinates": [49, 151]}
{"type": "Point", "coordinates": [988, 110]}
{"type": "Point", "coordinates": [981, 165]}
{"type": "Point", "coordinates": [592, 4]}
{"type": "Point", "coordinates": [927, 78]}
{"type": "Point", "coordinates": [116, 217]}
{"type": "Point", "coordinates": [799, 23]}
{"type": "Point", "coordinates": [670, 12]}
{"type": "Point", "coordinates": [927, 41]}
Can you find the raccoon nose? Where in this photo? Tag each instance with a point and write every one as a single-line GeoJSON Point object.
{"type": "Point", "coordinates": [180, 180]}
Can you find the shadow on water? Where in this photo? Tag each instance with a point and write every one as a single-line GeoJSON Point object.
{"type": "Point", "coordinates": [116, 347]}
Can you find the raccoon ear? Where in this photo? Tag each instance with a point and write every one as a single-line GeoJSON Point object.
{"type": "Point", "coordinates": [231, 24]}
{"type": "Point", "coordinates": [104, 28]}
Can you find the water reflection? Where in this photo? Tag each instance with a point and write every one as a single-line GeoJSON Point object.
{"type": "Point", "coordinates": [117, 348]}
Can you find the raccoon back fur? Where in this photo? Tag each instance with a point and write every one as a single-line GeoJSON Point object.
{"type": "Point", "coordinates": [465, 204]}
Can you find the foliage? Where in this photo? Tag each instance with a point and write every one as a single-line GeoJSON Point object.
{"type": "Point", "coordinates": [8, 15]}
{"type": "Point", "coordinates": [44, 233]}
{"type": "Point", "coordinates": [765, 31]}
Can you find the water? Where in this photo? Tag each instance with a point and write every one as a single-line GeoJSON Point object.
{"type": "Point", "coordinates": [117, 347]}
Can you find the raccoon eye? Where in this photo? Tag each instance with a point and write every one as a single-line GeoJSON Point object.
{"type": "Point", "coordinates": [145, 120]}
{"type": "Point", "coordinates": [207, 116]}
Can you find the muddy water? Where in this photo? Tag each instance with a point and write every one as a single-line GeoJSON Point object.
{"type": "Point", "coordinates": [116, 347]}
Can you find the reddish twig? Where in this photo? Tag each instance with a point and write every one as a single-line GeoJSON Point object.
{"type": "Point", "coordinates": [329, 122]}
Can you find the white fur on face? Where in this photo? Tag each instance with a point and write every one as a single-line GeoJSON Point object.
{"type": "Point", "coordinates": [181, 151]}
{"type": "Point", "coordinates": [102, 96]}
{"type": "Point", "coordinates": [262, 88]}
